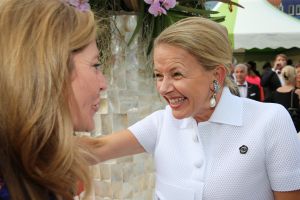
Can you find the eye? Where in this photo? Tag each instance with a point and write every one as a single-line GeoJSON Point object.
{"type": "Point", "coordinates": [177, 75]}
{"type": "Point", "coordinates": [97, 66]}
{"type": "Point", "coordinates": [158, 77]}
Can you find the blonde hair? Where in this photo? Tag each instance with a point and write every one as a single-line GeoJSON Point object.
{"type": "Point", "coordinates": [289, 74]}
{"type": "Point", "coordinates": [38, 153]}
{"type": "Point", "coordinates": [203, 38]}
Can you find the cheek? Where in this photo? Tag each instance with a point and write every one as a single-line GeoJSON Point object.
{"type": "Point", "coordinates": [158, 85]}
{"type": "Point", "coordinates": [78, 90]}
{"type": "Point", "coordinates": [85, 84]}
{"type": "Point", "coordinates": [83, 92]}
{"type": "Point", "coordinates": [187, 88]}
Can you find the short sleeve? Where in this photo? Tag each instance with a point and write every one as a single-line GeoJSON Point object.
{"type": "Point", "coordinates": [146, 130]}
{"type": "Point", "coordinates": [282, 151]}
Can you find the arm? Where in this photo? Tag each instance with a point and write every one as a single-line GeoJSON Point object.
{"type": "Point", "coordinates": [124, 143]}
{"type": "Point", "coordinates": [121, 143]}
{"type": "Point", "coordinates": [293, 195]}
{"type": "Point", "coordinates": [282, 148]}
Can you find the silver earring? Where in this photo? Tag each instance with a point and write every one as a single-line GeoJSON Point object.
{"type": "Point", "coordinates": [213, 101]}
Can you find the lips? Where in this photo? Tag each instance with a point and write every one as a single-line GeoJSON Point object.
{"type": "Point", "coordinates": [96, 106]}
{"type": "Point", "coordinates": [176, 102]}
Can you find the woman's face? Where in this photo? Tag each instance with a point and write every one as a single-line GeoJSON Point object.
{"type": "Point", "coordinates": [87, 83]}
{"type": "Point", "coordinates": [183, 82]}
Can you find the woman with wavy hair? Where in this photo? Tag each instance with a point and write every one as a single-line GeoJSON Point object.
{"type": "Point", "coordinates": [49, 86]}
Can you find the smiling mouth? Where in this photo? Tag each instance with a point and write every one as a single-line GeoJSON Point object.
{"type": "Point", "coordinates": [176, 101]}
{"type": "Point", "coordinates": [96, 107]}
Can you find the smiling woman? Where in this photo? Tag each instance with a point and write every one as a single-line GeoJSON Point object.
{"type": "Point", "coordinates": [49, 88]}
{"type": "Point", "coordinates": [208, 143]}
{"type": "Point", "coordinates": [182, 82]}
{"type": "Point", "coordinates": [87, 83]}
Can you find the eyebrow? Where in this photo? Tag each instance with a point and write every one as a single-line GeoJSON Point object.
{"type": "Point", "coordinates": [173, 68]}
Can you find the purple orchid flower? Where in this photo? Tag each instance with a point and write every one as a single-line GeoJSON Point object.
{"type": "Point", "coordinates": [156, 9]}
{"type": "Point", "coordinates": [150, 1]}
{"type": "Point", "coordinates": [81, 5]}
{"type": "Point", "coordinates": [168, 3]}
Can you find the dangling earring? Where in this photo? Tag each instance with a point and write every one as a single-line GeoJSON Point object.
{"type": "Point", "coordinates": [213, 101]}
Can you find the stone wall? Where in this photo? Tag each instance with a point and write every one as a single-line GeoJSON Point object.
{"type": "Point", "coordinates": [131, 95]}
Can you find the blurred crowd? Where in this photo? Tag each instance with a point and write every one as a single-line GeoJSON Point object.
{"type": "Point", "coordinates": [279, 83]}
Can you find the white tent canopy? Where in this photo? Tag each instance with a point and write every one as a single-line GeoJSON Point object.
{"type": "Point", "coordinates": [259, 25]}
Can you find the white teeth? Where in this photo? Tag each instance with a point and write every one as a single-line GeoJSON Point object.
{"type": "Point", "coordinates": [176, 101]}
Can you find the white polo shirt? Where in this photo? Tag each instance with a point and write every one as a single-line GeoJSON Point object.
{"type": "Point", "coordinates": [243, 152]}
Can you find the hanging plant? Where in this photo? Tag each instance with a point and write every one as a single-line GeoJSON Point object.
{"type": "Point", "coordinates": [155, 15]}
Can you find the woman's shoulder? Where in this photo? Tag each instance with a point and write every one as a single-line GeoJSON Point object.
{"type": "Point", "coordinates": [262, 108]}
{"type": "Point", "coordinates": [284, 90]}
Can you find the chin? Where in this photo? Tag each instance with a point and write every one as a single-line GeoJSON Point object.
{"type": "Point", "coordinates": [85, 127]}
{"type": "Point", "coordinates": [178, 115]}
{"type": "Point", "coordinates": [90, 128]}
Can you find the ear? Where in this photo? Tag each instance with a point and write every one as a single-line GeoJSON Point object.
{"type": "Point", "coordinates": [219, 74]}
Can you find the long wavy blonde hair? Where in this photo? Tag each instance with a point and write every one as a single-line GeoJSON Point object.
{"type": "Point", "coordinates": [38, 156]}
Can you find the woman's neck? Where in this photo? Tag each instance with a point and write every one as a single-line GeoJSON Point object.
{"type": "Point", "coordinates": [205, 116]}
{"type": "Point", "coordinates": [286, 88]}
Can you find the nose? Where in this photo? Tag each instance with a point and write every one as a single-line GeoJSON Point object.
{"type": "Point", "coordinates": [102, 82]}
{"type": "Point", "coordinates": [164, 86]}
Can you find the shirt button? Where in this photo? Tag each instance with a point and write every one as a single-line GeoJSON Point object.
{"type": "Point", "coordinates": [195, 138]}
{"type": "Point", "coordinates": [198, 163]}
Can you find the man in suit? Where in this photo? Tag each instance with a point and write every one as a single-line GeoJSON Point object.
{"type": "Point", "coordinates": [271, 78]}
{"type": "Point", "coordinates": [246, 89]}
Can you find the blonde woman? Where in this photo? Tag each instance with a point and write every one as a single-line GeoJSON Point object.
{"type": "Point", "coordinates": [208, 143]}
{"type": "Point", "coordinates": [49, 86]}
{"type": "Point", "coordinates": [285, 95]}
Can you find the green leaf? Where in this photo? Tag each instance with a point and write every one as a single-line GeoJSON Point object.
{"type": "Point", "coordinates": [218, 19]}
{"type": "Point", "coordinates": [194, 10]}
{"type": "Point", "coordinates": [139, 24]}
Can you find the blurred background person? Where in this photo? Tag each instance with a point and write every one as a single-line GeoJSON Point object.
{"type": "Point", "coordinates": [252, 65]}
{"type": "Point", "coordinates": [285, 95]}
{"type": "Point", "coordinates": [279, 63]}
{"type": "Point", "coordinates": [271, 78]}
{"type": "Point", "coordinates": [253, 77]}
{"type": "Point", "coordinates": [266, 66]}
{"type": "Point", "coordinates": [246, 89]}
{"type": "Point", "coordinates": [290, 62]}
